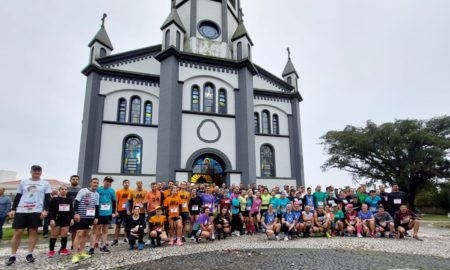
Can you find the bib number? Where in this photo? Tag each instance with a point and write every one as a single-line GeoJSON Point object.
{"type": "Point", "coordinates": [90, 212]}
{"type": "Point", "coordinates": [184, 205]}
{"type": "Point", "coordinates": [397, 201]}
{"type": "Point", "coordinates": [105, 207]}
{"type": "Point", "coordinates": [174, 210]}
{"type": "Point", "coordinates": [64, 207]}
{"type": "Point", "coordinates": [194, 208]}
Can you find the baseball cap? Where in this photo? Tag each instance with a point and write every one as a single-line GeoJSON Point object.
{"type": "Point", "coordinates": [157, 208]}
{"type": "Point", "coordinates": [349, 205]}
{"type": "Point", "coordinates": [36, 168]}
{"type": "Point", "coordinates": [333, 205]}
{"type": "Point", "coordinates": [108, 178]}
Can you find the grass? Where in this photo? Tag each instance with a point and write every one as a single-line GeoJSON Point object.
{"type": "Point", "coordinates": [435, 217]}
{"type": "Point", "coordinates": [8, 234]}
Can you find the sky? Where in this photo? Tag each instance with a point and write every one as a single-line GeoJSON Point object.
{"type": "Point", "coordinates": [358, 60]}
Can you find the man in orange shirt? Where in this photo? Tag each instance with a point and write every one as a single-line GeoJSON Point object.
{"type": "Point", "coordinates": [173, 210]}
{"type": "Point", "coordinates": [137, 197]}
{"type": "Point", "coordinates": [152, 200]}
{"type": "Point", "coordinates": [166, 192]}
{"type": "Point", "coordinates": [185, 197]}
{"type": "Point", "coordinates": [122, 196]}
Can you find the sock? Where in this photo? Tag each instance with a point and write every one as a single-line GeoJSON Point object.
{"type": "Point", "coordinates": [153, 241]}
{"type": "Point", "coordinates": [359, 229]}
{"type": "Point", "coordinates": [63, 243]}
{"type": "Point", "coordinates": [52, 244]}
{"type": "Point", "coordinates": [30, 253]}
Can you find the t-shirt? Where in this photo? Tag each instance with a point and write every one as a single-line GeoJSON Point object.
{"type": "Point", "coordinates": [319, 196]}
{"type": "Point", "coordinates": [395, 200]}
{"type": "Point", "coordinates": [275, 202]}
{"type": "Point", "coordinates": [364, 216]}
{"type": "Point", "coordinates": [152, 199]}
{"type": "Point", "coordinates": [195, 204]}
{"type": "Point", "coordinates": [33, 195]}
{"type": "Point", "coordinates": [362, 197]}
{"type": "Point", "coordinates": [138, 197]}
{"type": "Point", "coordinates": [339, 215]}
{"type": "Point", "coordinates": [243, 203]}
{"type": "Point", "coordinates": [107, 195]}
{"type": "Point", "coordinates": [122, 196]}
{"type": "Point", "coordinates": [60, 209]}
{"type": "Point", "coordinates": [208, 200]}
{"type": "Point", "coordinates": [309, 200]}
{"type": "Point", "coordinates": [235, 206]}
{"type": "Point", "coordinates": [173, 205]}
{"type": "Point", "coordinates": [202, 219]}
{"type": "Point", "coordinates": [307, 217]}
{"type": "Point", "coordinates": [404, 218]}
{"type": "Point", "coordinates": [88, 200]}
{"type": "Point", "coordinates": [265, 198]}
{"type": "Point", "coordinates": [72, 192]}
{"type": "Point", "coordinates": [383, 219]}
{"type": "Point", "coordinates": [157, 222]}
{"type": "Point", "coordinates": [373, 203]}
{"type": "Point", "coordinates": [351, 217]}
{"type": "Point", "coordinates": [289, 217]}
{"type": "Point", "coordinates": [185, 196]}
{"type": "Point", "coordinates": [269, 218]}
{"type": "Point", "coordinates": [255, 205]}
{"type": "Point", "coordinates": [283, 203]}
{"type": "Point", "coordinates": [297, 215]}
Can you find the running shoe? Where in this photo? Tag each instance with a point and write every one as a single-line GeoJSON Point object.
{"type": "Point", "coordinates": [278, 238]}
{"type": "Point", "coordinates": [179, 242]}
{"type": "Point", "coordinates": [114, 242]}
{"type": "Point", "coordinates": [148, 243]}
{"type": "Point", "coordinates": [104, 249]}
{"type": "Point", "coordinates": [30, 258]}
{"type": "Point", "coordinates": [51, 253]}
{"type": "Point", "coordinates": [91, 251]}
{"type": "Point", "coordinates": [84, 255]}
{"type": "Point", "coordinates": [75, 259]}
{"type": "Point", "coordinates": [140, 246]}
{"type": "Point", "coordinates": [359, 235]}
{"type": "Point", "coordinates": [327, 234]}
{"type": "Point", "coordinates": [64, 252]}
{"type": "Point", "coordinates": [171, 241]}
{"type": "Point", "coordinates": [11, 261]}
{"type": "Point", "coordinates": [286, 238]}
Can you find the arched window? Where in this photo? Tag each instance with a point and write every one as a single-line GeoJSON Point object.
{"type": "Point", "coordinates": [135, 110]}
{"type": "Point", "coordinates": [122, 111]}
{"type": "Point", "coordinates": [178, 40]}
{"type": "Point", "coordinates": [267, 161]}
{"type": "Point", "coordinates": [148, 113]}
{"type": "Point", "coordinates": [102, 52]}
{"type": "Point", "coordinates": [265, 122]}
{"type": "Point", "coordinates": [195, 98]}
{"type": "Point", "coordinates": [208, 98]}
{"type": "Point", "coordinates": [132, 155]}
{"type": "Point", "coordinates": [222, 101]}
{"type": "Point", "coordinates": [256, 122]}
{"type": "Point", "coordinates": [167, 39]}
{"type": "Point", "coordinates": [249, 48]}
{"type": "Point", "coordinates": [276, 124]}
{"type": "Point", "coordinates": [239, 51]}
{"type": "Point", "coordinates": [289, 80]}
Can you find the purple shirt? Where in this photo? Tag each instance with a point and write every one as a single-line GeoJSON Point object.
{"type": "Point", "coordinates": [202, 219]}
{"type": "Point", "coordinates": [365, 216]}
{"type": "Point", "coordinates": [255, 206]}
{"type": "Point", "coordinates": [208, 199]}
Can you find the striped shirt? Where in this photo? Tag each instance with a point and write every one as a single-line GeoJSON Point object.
{"type": "Point", "coordinates": [88, 201]}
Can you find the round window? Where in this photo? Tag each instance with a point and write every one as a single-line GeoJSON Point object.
{"type": "Point", "coordinates": [209, 29]}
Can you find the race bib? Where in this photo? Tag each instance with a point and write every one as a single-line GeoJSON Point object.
{"type": "Point", "coordinates": [227, 201]}
{"type": "Point", "coordinates": [249, 208]}
{"type": "Point", "coordinates": [30, 206]}
{"type": "Point", "coordinates": [372, 209]}
{"type": "Point", "coordinates": [345, 201]}
{"type": "Point", "coordinates": [320, 203]}
{"type": "Point", "coordinates": [184, 205]}
{"type": "Point", "coordinates": [105, 207]}
{"type": "Point", "coordinates": [64, 207]}
{"type": "Point", "coordinates": [405, 220]}
{"type": "Point", "coordinates": [352, 222]}
{"type": "Point", "coordinates": [174, 210]}
{"type": "Point", "coordinates": [139, 204]}
{"type": "Point", "coordinates": [397, 201]}
{"type": "Point", "coordinates": [330, 201]}
{"type": "Point", "coordinates": [383, 224]}
{"type": "Point", "coordinates": [194, 207]}
{"type": "Point", "coordinates": [124, 205]}
{"type": "Point", "coordinates": [90, 212]}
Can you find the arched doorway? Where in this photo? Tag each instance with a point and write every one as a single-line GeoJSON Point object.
{"type": "Point", "coordinates": [208, 169]}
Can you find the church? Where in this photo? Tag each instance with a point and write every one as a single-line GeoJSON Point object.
{"type": "Point", "coordinates": [194, 108]}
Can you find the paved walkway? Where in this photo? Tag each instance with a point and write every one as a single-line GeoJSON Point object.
{"type": "Point", "coordinates": [434, 250]}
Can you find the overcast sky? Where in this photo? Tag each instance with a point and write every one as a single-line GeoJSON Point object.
{"type": "Point", "coordinates": [358, 60]}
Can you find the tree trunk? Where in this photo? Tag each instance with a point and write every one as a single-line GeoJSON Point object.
{"type": "Point", "coordinates": [412, 196]}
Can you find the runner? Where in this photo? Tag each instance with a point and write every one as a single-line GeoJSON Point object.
{"type": "Point", "coordinates": [122, 211]}
{"type": "Point", "coordinates": [61, 217]}
{"type": "Point", "coordinates": [135, 226]}
{"type": "Point", "coordinates": [202, 227]}
{"type": "Point", "coordinates": [283, 201]}
{"type": "Point", "coordinates": [308, 220]}
{"type": "Point", "coordinates": [225, 202]}
{"type": "Point", "coordinates": [321, 223]}
{"type": "Point", "coordinates": [222, 222]}
{"type": "Point", "coordinates": [373, 201]}
{"type": "Point", "coordinates": [339, 220]}
{"type": "Point", "coordinates": [236, 219]}
{"type": "Point", "coordinates": [270, 223]}
{"type": "Point", "coordinates": [72, 192]}
{"type": "Point", "coordinates": [406, 220]}
{"type": "Point", "coordinates": [395, 199]}
{"type": "Point", "coordinates": [351, 218]}
{"type": "Point", "coordinates": [355, 202]}
{"type": "Point", "coordinates": [137, 198]}
{"type": "Point", "coordinates": [172, 205]}
{"type": "Point", "coordinates": [309, 199]}
{"type": "Point", "coordinates": [86, 212]}
{"type": "Point", "coordinates": [319, 196]}
{"type": "Point", "coordinates": [366, 222]}
{"type": "Point", "coordinates": [30, 207]}
{"type": "Point", "coordinates": [208, 201]}
{"type": "Point", "coordinates": [157, 227]}
{"type": "Point", "coordinates": [384, 222]}
{"type": "Point", "coordinates": [195, 204]}
{"type": "Point", "coordinates": [185, 197]}
{"type": "Point", "coordinates": [298, 217]}
{"type": "Point", "coordinates": [265, 200]}
{"type": "Point", "coordinates": [107, 197]}
{"type": "Point", "coordinates": [246, 207]}
{"type": "Point", "coordinates": [152, 200]}
{"type": "Point", "coordinates": [255, 217]}
{"type": "Point", "coordinates": [288, 223]}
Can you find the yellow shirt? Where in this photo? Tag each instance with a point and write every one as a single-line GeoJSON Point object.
{"type": "Point", "coordinates": [138, 198]}
{"type": "Point", "coordinates": [185, 197]}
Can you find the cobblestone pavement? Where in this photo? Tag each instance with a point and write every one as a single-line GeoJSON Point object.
{"type": "Point", "coordinates": [434, 251]}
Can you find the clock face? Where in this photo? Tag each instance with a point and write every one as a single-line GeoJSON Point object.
{"type": "Point", "coordinates": [209, 29]}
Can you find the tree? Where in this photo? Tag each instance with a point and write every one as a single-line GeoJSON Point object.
{"type": "Point", "coordinates": [408, 152]}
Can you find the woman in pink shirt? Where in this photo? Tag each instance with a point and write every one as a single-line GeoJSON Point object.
{"type": "Point", "coordinates": [255, 217]}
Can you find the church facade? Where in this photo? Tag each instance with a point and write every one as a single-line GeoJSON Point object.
{"type": "Point", "coordinates": [195, 108]}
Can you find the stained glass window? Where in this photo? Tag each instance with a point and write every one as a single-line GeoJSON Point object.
{"type": "Point", "coordinates": [222, 101]}
{"type": "Point", "coordinates": [195, 99]}
{"type": "Point", "coordinates": [265, 122]}
{"type": "Point", "coordinates": [267, 161]}
{"type": "Point", "coordinates": [135, 111]}
{"type": "Point", "coordinates": [207, 165]}
{"type": "Point", "coordinates": [276, 127]}
{"type": "Point", "coordinates": [148, 113]}
{"type": "Point", "coordinates": [208, 98]}
{"type": "Point", "coordinates": [122, 111]}
{"type": "Point", "coordinates": [132, 154]}
{"type": "Point", "coordinates": [256, 122]}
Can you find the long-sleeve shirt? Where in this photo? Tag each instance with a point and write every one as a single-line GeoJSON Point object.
{"type": "Point", "coordinates": [5, 205]}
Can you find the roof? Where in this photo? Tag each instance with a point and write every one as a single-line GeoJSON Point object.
{"type": "Point", "coordinates": [289, 68]}
{"type": "Point", "coordinates": [173, 18]}
{"type": "Point", "coordinates": [240, 32]}
{"type": "Point", "coordinates": [103, 38]}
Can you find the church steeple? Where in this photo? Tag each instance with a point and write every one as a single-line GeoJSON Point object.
{"type": "Point", "coordinates": [290, 75]}
{"type": "Point", "coordinates": [100, 45]}
{"type": "Point", "coordinates": [242, 43]}
{"type": "Point", "coordinates": [173, 30]}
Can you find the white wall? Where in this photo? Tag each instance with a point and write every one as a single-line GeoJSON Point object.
{"type": "Point", "coordinates": [190, 143]}
{"type": "Point", "coordinates": [271, 183]}
{"type": "Point", "coordinates": [112, 101]}
{"type": "Point", "coordinates": [260, 83]}
{"type": "Point", "coordinates": [112, 143]}
{"type": "Point", "coordinates": [210, 10]}
{"type": "Point", "coordinates": [187, 73]}
{"type": "Point", "coordinates": [282, 155]}
{"type": "Point", "coordinates": [282, 117]}
{"type": "Point", "coordinates": [147, 64]}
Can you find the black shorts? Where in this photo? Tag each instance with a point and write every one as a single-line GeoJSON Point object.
{"type": "Point", "coordinates": [255, 214]}
{"type": "Point", "coordinates": [84, 224]}
{"type": "Point", "coordinates": [104, 220]}
{"type": "Point", "coordinates": [175, 218]}
{"type": "Point", "coordinates": [245, 213]}
{"type": "Point", "coordinates": [62, 222]}
{"type": "Point", "coordinates": [121, 217]}
{"type": "Point", "coordinates": [263, 211]}
{"type": "Point", "coordinates": [405, 226]}
{"type": "Point", "coordinates": [185, 216]}
{"type": "Point", "coordinates": [194, 213]}
{"type": "Point", "coordinates": [279, 216]}
{"type": "Point", "coordinates": [27, 221]}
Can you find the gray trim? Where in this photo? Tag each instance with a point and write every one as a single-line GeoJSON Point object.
{"type": "Point", "coordinates": [169, 128]}
{"type": "Point", "coordinates": [224, 21]}
{"type": "Point", "coordinates": [142, 174]}
{"type": "Point", "coordinates": [274, 172]}
{"type": "Point", "coordinates": [245, 130]}
{"type": "Point", "coordinates": [194, 156]}
{"type": "Point", "coordinates": [128, 124]}
{"type": "Point", "coordinates": [193, 23]}
{"type": "Point", "coordinates": [91, 131]}
{"type": "Point", "coordinates": [272, 135]}
{"type": "Point", "coordinates": [210, 114]}
{"type": "Point", "coordinates": [123, 153]}
{"type": "Point", "coordinates": [295, 143]}
{"type": "Point", "coordinates": [120, 73]}
{"type": "Point", "coordinates": [218, 130]}
{"type": "Point", "coordinates": [267, 93]}
{"type": "Point", "coordinates": [212, 22]}
{"type": "Point", "coordinates": [112, 59]}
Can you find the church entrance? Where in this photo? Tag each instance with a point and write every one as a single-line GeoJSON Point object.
{"type": "Point", "coordinates": [208, 169]}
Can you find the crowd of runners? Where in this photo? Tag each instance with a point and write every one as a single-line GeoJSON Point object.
{"type": "Point", "coordinates": [171, 213]}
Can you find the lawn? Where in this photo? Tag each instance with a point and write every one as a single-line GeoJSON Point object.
{"type": "Point", "coordinates": [8, 234]}
{"type": "Point", "coordinates": [435, 217]}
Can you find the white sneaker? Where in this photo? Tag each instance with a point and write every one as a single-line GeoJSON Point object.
{"type": "Point", "coordinates": [286, 238]}
{"type": "Point", "coordinates": [192, 238]}
{"type": "Point", "coordinates": [238, 234]}
{"type": "Point", "coordinates": [278, 238]}
{"type": "Point", "coordinates": [213, 237]}
{"type": "Point", "coordinates": [359, 235]}
{"type": "Point", "coordinates": [148, 243]}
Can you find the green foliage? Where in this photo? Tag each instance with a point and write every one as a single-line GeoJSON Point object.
{"type": "Point", "coordinates": [431, 195]}
{"type": "Point", "coordinates": [411, 153]}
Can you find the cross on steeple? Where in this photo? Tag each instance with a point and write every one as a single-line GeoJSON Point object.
{"type": "Point", "coordinates": [173, 4]}
{"type": "Point", "coordinates": [289, 53]}
{"type": "Point", "coordinates": [241, 15]}
{"type": "Point", "coordinates": [103, 19]}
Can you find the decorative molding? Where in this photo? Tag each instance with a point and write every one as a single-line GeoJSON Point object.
{"type": "Point", "coordinates": [210, 114]}
{"type": "Point", "coordinates": [129, 81]}
{"type": "Point", "coordinates": [271, 135]}
{"type": "Point", "coordinates": [273, 94]}
{"type": "Point", "coordinates": [214, 68]}
{"type": "Point", "coordinates": [120, 74]}
{"type": "Point", "coordinates": [130, 55]}
{"type": "Point", "coordinates": [219, 132]}
{"type": "Point", "coordinates": [128, 124]}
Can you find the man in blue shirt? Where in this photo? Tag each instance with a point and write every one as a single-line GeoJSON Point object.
{"type": "Point", "coordinates": [373, 201]}
{"type": "Point", "coordinates": [5, 207]}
